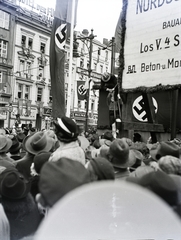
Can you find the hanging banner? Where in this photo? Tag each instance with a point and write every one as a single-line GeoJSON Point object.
{"type": "Point", "coordinates": [81, 90]}
{"type": "Point", "coordinates": [163, 111]}
{"type": "Point", "coordinates": [20, 107]}
{"type": "Point", "coordinates": [28, 107]}
{"type": "Point", "coordinates": [152, 48]}
{"type": "Point", "coordinates": [60, 33]}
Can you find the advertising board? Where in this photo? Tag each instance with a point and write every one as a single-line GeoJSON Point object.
{"type": "Point", "coordinates": [152, 48]}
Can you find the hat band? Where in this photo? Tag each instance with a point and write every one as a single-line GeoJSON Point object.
{"type": "Point", "coordinates": [62, 125]}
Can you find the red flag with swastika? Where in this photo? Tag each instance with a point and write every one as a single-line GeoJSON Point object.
{"type": "Point", "coordinates": [81, 90]}
{"type": "Point", "coordinates": [60, 33]}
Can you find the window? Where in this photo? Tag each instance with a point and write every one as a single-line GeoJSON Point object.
{"type": "Point", "coordinates": [40, 73]}
{"type": "Point", "coordinates": [50, 95]}
{"type": "Point", "coordinates": [1, 77]}
{"type": "Point", "coordinates": [4, 19]}
{"type": "Point", "coordinates": [26, 42]}
{"type": "Point", "coordinates": [82, 63]}
{"type": "Point", "coordinates": [39, 94]}
{"type": "Point", "coordinates": [22, 67]}
{"type": "Point", "coordinates": [85, 106]}
{"type": "Point", "coordinates": [28, 69]}
{"type": "Point", "coordinates": [101, 68]}
{"type": "Point", "coordinates": [92, 105]}
{"type": "Point", "coordinates": [30, 43]}
{"type": "Point", "coordinates": [3, 48]}
{"type": "Point", "coordinates": [42, 47]}
{"type": "Point", "coordinates": [79, 103]}
{"type": "Point", "coordinates": [23, 41]}
{"type": "Point", "coordinates": [27, 91]}
{"type": "Point", "coordinates": [20, 90]}
{"type": "Point", "coordinates": [106, 55]}
{"type": "Point", "coordinates": [95, 66]}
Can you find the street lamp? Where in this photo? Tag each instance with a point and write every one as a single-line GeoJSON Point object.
{"type": "Point", "coordinates": [90, 37]}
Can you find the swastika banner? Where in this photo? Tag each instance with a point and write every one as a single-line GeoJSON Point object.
{"type": "Point", "coordinates": [81, 90]}
{"type": "Point", "coordinates": [60, 32]}
{"type": "Point", "coordinates": [162, 102]}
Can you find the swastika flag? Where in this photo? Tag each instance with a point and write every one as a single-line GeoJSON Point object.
{"type": "Point", "coordinates": [60, 33]}
{"type": "Point", "coordinates": [81, 90]}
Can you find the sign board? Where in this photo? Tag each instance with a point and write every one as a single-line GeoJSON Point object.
{"type": "Point", "coordinates": [152, 49]}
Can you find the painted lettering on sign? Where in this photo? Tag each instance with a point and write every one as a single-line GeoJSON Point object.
{"type": "Point", "coordinates": [147, 5]}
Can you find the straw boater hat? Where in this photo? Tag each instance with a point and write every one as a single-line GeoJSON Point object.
{"type": "Point", "coordinates": [5, 143]}
{"type": "Point", "coordinates": [38, 142]}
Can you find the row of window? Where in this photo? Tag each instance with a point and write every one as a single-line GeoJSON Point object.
{"type": "Point", "coordinates": [4, 46]}
{"type": "Point", "coordinates": [94, 67]}
{"type": "Point", "coordinates": [23, 92]}
{"type": "Point", "coordinates": [27, 42]}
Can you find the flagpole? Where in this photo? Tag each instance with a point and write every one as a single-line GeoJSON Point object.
{"type": "Point", "coordinates": [70, 60]}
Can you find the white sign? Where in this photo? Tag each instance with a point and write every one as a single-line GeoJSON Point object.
{"type": "Point", "coordinates": [152, 49]}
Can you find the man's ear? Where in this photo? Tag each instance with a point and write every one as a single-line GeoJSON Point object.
{"type": "Point", "coordinates": [39, 199]}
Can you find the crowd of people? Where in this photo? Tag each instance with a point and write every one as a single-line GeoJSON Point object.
{"type": "Point", "coordinates": [38, 168]}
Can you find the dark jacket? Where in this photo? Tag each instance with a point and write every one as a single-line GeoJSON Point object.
{"type": "Point", "coordinates": [23, 215]}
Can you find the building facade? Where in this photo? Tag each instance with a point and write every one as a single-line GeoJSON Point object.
{"type": "Point", "coordinates": [25, 88]}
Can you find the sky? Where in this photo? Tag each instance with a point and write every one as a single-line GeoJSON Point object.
{"type": "Point", "coordinates": [99, 15]}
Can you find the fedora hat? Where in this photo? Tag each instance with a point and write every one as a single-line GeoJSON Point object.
{"type": "Point", "coordinates": [161, 149]}
{"type": "Point", "coordinates": [106, 77]}
{"type": "Point", "coordinates": [5, 143]}
{"type": "Point", "coordinates": [121, 155]}
{"type": "Point", "coordinates": [20, 136]}
{"type": "Point", "coordinates": [13, 185]}
{"type": "Point", "coordinates": [38, 142]}
{"type": "Point", "coordinates": [16, 145]}
{"type": "Point", "coordinates": [59, 178]}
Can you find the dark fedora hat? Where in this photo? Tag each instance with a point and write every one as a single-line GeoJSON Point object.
{"type": "Point", "coordinates": [38, 142]}
{"type": "Point", "coordinates": [15, 146]}
{"type": "Point", "coordinates": [20, 136]}
{"type": "Point", "coordinates": [13, 185]}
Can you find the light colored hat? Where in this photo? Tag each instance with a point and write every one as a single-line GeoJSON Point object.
{"type": "Point", "coordinates": [38, 142]}
{"type": "Point", "coordinates": [121, 155]}
{"type": "Point", "coordinates": [161, 149]}
{"type": "Point", "coordinates": [170, 165]}
{"type": "Point", "coordinates": [5, 143]}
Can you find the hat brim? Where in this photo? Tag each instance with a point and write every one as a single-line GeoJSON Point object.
{"type": "Point", "coordinates": [106, 79]}
{"type": "Point", "coordinates": [27, 185]}
{"type": "Point", "coordinates": [130, 161]}
{"type": "Point", "coordinates": [16, 149]}
{"type": "Point", "coordinates": [27, 145]}
{"type": "Point", "coordinates": [7, 147]}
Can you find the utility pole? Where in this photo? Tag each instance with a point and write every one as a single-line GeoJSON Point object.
{"type": "Point", "coordinates": [91, 37]}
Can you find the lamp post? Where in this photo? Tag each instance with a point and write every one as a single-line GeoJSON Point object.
{"type": "Point", "coordinates": [90, 37]}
